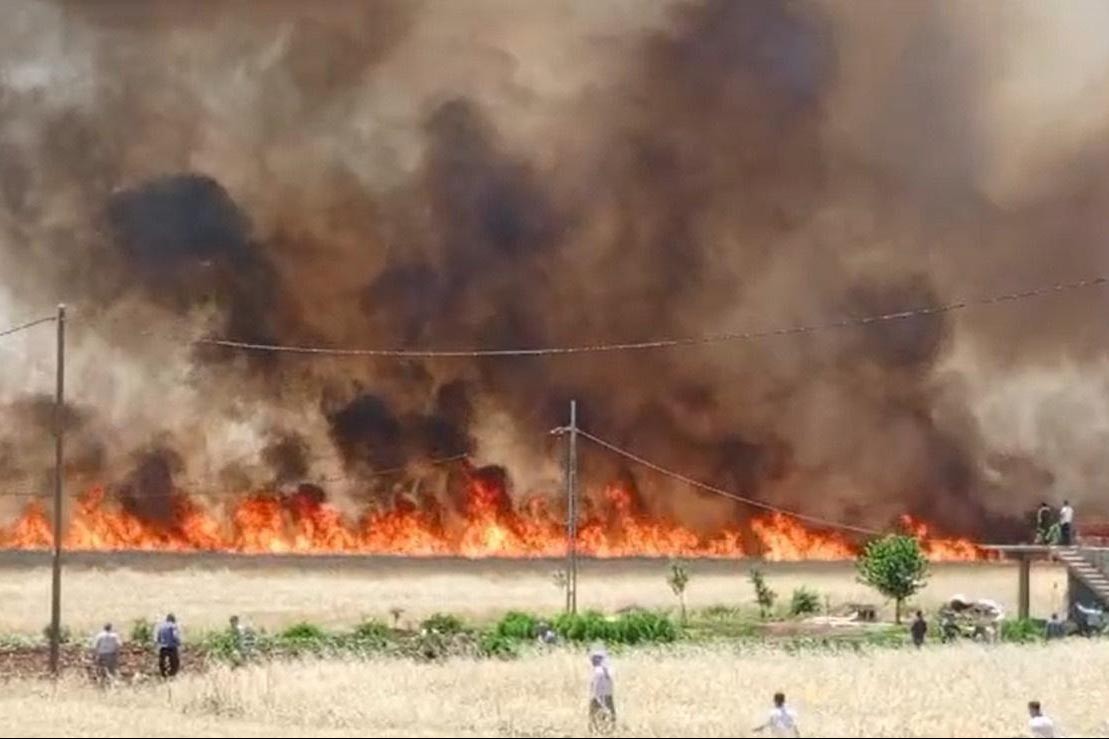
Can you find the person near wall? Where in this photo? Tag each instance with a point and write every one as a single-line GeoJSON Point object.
{"type": "Point", "coordinates": [1066, 524]}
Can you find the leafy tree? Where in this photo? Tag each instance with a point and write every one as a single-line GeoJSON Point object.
{"type": "Point", "coordinates": [142, 631]}
{"type": "Point", "coordinates": [678, 578]}
{"type": "Point", "coordinates": [764, 596]}
{"type": "Point", "coordinates": [559, 578]}
{"type": "Point", "coordinates": [895, 566]}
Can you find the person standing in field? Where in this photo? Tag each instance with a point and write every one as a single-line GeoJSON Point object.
{"type": "Point", "coordinates": [782, 721]}
{"type": "Point", "coordinates": [1039, 725]}
{"type": "Point", "coordinates": [105, 653]}
{"type": "Point", "coordinates": [1043, 524]}
{"type": "Point", "coordinates": [919, 629]}
{"type": "Point", "coordinates": [242, 641]}
{"type": "Point", "coordinates": [1066, 524]}
{"type": "Point", "coordinates": [602, 709]}
{"type": "Point", "coordinates": [168, 638]}
{"type": "Point", "coordinates": [1055, 629]}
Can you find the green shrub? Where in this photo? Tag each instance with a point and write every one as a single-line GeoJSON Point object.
{"type": "Point", "coordinates": [804, 602]}
{"type": "Point", "coordinates": [142, 631]}
{"type": "Point", "coordinates": [220, 645]}
{"type": "Point", "coordinates": [645, 626]}
{"type": "Point", "coordinates": [493, 644]}
{"type": "Point", "coordinates": [372, 630]}
{"type": "Point", "coordinates": [635, 627]}
{"type": "Point", "coordinates": [1022, 630]}
{"type": "Point", "coordinates": [225, 646]}
{"type": "Point", "coordinates": [587, 626]}
{"type": "Point", "coordinates": [721, 612]}
{"type": "Point", "coordinates": [517, 625]}
{"type": "Point", "coordinates": [430, 646]}
{"type": "Point", "coordinates": [18, 641]}
{"type": "Point", "coordinates": [443, 623]}
{"type": "Point", "coordinates": [64, 635]}
{"type": "Point", "coordinates": [304, 631]}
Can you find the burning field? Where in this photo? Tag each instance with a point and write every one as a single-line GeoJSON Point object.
{"type": "Point", "coordinates": [487, 524]}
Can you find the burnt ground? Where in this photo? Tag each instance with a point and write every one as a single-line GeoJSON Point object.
{"type": "Point", "coordinates": [136, 662]}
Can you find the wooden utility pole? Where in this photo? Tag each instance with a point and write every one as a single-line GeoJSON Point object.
{"type": "Point", "coordinates": [572, 510]}
{"type": "Point", "coordinates": [59, 433]}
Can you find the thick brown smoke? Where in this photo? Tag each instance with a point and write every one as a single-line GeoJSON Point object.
{"type": "Point", "coordinates": [498, 174]}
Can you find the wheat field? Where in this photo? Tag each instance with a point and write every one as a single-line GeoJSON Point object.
{"type": "Point", "coordinates": [275, 597]}
{"type": "Point", "coordinates": [940, 691]}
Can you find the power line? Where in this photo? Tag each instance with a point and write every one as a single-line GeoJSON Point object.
{"type": "Point", "coordinates": [668, 343]}
{"type": "Point", "coordinates": [29, 324]}
{"type": "Point", "coordinates": [826, 523]}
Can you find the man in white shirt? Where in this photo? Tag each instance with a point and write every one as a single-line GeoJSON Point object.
{"type": "Point", "coordinates": [1066, 524]}
{"type": "Point", "coordinates": [1039, 725]}
{"type": "Point", "coordinates": [781, 721]}
{"type": "Point", "coordinates": [602, 710]}
{"type": "Point", "coordinates": [105, 652]}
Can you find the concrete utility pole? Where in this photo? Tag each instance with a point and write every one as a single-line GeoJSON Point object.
{"type": "Point", "coordinates": [59, 434]}
{"type": "Point", "coordinates": [572, 510]}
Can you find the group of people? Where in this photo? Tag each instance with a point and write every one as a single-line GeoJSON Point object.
{"type": "Point", "coordinates": [1055, 528]}
{"type": "Point", "coordinates": [602, 707]}
{"type": "Point", "coordinates": [107, 645]}
{"type": "Point", "coordinates": [781, 721]}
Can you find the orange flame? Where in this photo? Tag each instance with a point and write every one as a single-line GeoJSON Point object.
{"type": "Point", "coordinates": [489, 524]}
{"type": "Point", "coordinates": [941, 549]}
{"type": "Point", "coordinates": [785, 539]}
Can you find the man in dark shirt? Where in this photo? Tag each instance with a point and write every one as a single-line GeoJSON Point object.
{"type": "Point", "coordinates": [168, 638]}
{"type": "Point", "coordinates": [1055, 629]}
{"type": "Point", "coordinates": [919, 629]}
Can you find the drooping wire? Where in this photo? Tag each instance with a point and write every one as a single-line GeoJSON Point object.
{"type": "Point", "coordinates": [840, 323]}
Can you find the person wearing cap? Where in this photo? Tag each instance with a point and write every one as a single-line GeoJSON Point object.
{"type": "Point", "coordinates": [168, 638]}
{"type": "Point", "coordinates": [602, 709]}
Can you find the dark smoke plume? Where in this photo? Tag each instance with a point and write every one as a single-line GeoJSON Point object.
{"type": "Point", "coordinates": [497, 174]}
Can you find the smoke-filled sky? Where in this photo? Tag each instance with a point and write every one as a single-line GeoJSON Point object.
{"type": "Point", "coordinates": [497, 174]}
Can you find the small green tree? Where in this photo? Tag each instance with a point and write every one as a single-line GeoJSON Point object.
{"type": "Point", "coordinates": [142, 631]}
{"type": "Point", "coordinates": [804, 602]}
{"type": "Point", "coordinates": [396, 612]}
{"type": "Point", "coordinates": [678, 578]}
{"type": "Point", "coordinates": [558, 577]}
{"type": "Point", "coordinates": [764, 596]}
{"type": "Point", "coordinates": [895, 566]}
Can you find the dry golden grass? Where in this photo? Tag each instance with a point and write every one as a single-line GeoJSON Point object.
{"type": "Point", "coordinates": [941, 691]}
{"type": "Point", "coordinates": [280, 596]}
